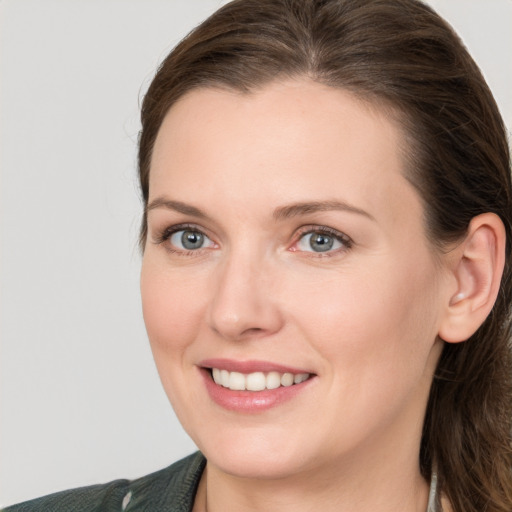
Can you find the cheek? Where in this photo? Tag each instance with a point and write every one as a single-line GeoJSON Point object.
{"type": "Point", "coordinates": [172, 312]}
{"type": "Point", "coordinates": [171, 306]}
{"type": "Point", "coordinates": [370, 320]}
{"type": "Point", "coordinates": [375, 336]}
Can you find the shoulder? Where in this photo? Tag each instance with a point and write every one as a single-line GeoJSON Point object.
{"type": "Point", "coordinates": [171, 489]}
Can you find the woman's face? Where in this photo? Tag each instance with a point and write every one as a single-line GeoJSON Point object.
{"type": "Point", "coordinates": [284, 239]}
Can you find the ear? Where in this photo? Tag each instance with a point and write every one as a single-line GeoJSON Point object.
{"type": "Point", "coordinates": [477, 267]}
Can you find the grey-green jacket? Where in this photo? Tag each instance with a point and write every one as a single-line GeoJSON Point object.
{"type": "Point", "coordinates": [169, 490]}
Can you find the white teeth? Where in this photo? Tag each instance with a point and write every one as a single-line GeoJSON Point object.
{"type": "Point", "coordinates": [256, 381]}
{"type": "Point", "coordinates": [273, 380]}
{"type": "Point", "coordinates": [287, 379]}
{"type": "Point", "coordinates": [224, 378]}
{"type": "Point", "coordinates": [236, 381]}
{"type": "Point", "coordinates": [300, 377]}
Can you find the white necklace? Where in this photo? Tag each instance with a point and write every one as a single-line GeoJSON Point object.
{"type": "Point", "coordinates": [432, 495]}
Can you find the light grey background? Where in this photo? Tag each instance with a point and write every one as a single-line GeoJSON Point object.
{"type": "Point", "coordinates": [81, 402]}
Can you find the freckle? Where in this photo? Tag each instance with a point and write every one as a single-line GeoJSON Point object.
{"type": "Point", "coordinates": [126, 500]}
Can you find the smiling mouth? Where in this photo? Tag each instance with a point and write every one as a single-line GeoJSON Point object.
{"type": "Point", "coordinates": [256, 381]}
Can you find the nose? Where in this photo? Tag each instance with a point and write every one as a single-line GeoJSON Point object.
{"type": "Point", "coordinates": [243, 303]}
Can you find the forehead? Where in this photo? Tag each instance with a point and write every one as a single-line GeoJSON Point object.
{"type": "Point", "coordinates": [287, 140]}
{"type": "Point", "coordinates": [303, 107]}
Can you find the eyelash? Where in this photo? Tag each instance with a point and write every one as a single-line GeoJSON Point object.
{"type": "Point", "coordinates": [345, 240]}
{"type": "Point", "coordinates": [165, 235]}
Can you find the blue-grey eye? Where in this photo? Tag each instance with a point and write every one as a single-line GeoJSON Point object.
{"type": "Point", "coordinates": [189, 240]}
{"type": "Point", "coordinates": [317, 241]}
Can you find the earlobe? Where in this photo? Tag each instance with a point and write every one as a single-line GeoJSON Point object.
{"type": "Point", "coordinates": [477, 269]}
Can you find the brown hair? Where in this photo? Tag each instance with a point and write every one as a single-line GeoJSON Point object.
{"type": "Point", "coordinates": [401, 54]}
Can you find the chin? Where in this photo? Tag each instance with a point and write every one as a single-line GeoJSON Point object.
{"type": "Point", "coordinates": [255, 453]}
{"type": "Point", "coordinates": [254, 464]}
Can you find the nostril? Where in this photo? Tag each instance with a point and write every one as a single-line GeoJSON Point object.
{"type": "Point", "coordinates": [251, 331]}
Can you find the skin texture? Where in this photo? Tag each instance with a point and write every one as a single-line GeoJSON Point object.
{"type": "Point", "coordinates": [363, 318]}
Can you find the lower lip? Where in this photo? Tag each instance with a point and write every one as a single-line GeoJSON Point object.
{"type": "Point", "coordinates": [251, 401]}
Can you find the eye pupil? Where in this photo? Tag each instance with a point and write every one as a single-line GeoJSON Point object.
{"type": "Point", "coordinates": [192, 239]}
{"type": "Point", "coordinates": [321, 243]}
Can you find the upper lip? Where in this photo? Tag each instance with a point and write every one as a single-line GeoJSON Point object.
{"type": "Point", "coordinates": [251, 366]}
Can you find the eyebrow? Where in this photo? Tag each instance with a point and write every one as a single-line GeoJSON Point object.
{"type": "Point", "coordinates": [297, 209]}
{"type": "Point", "coordinates": [280, 213]}
{"type": "Point", "coordinates": [178, 206]}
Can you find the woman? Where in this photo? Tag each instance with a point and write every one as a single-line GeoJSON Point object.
{"type": "Point", "coordinates": [326, 275]}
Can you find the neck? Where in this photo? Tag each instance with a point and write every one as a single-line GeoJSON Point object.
{"type": "Point", "coordinates": [381, 484]}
